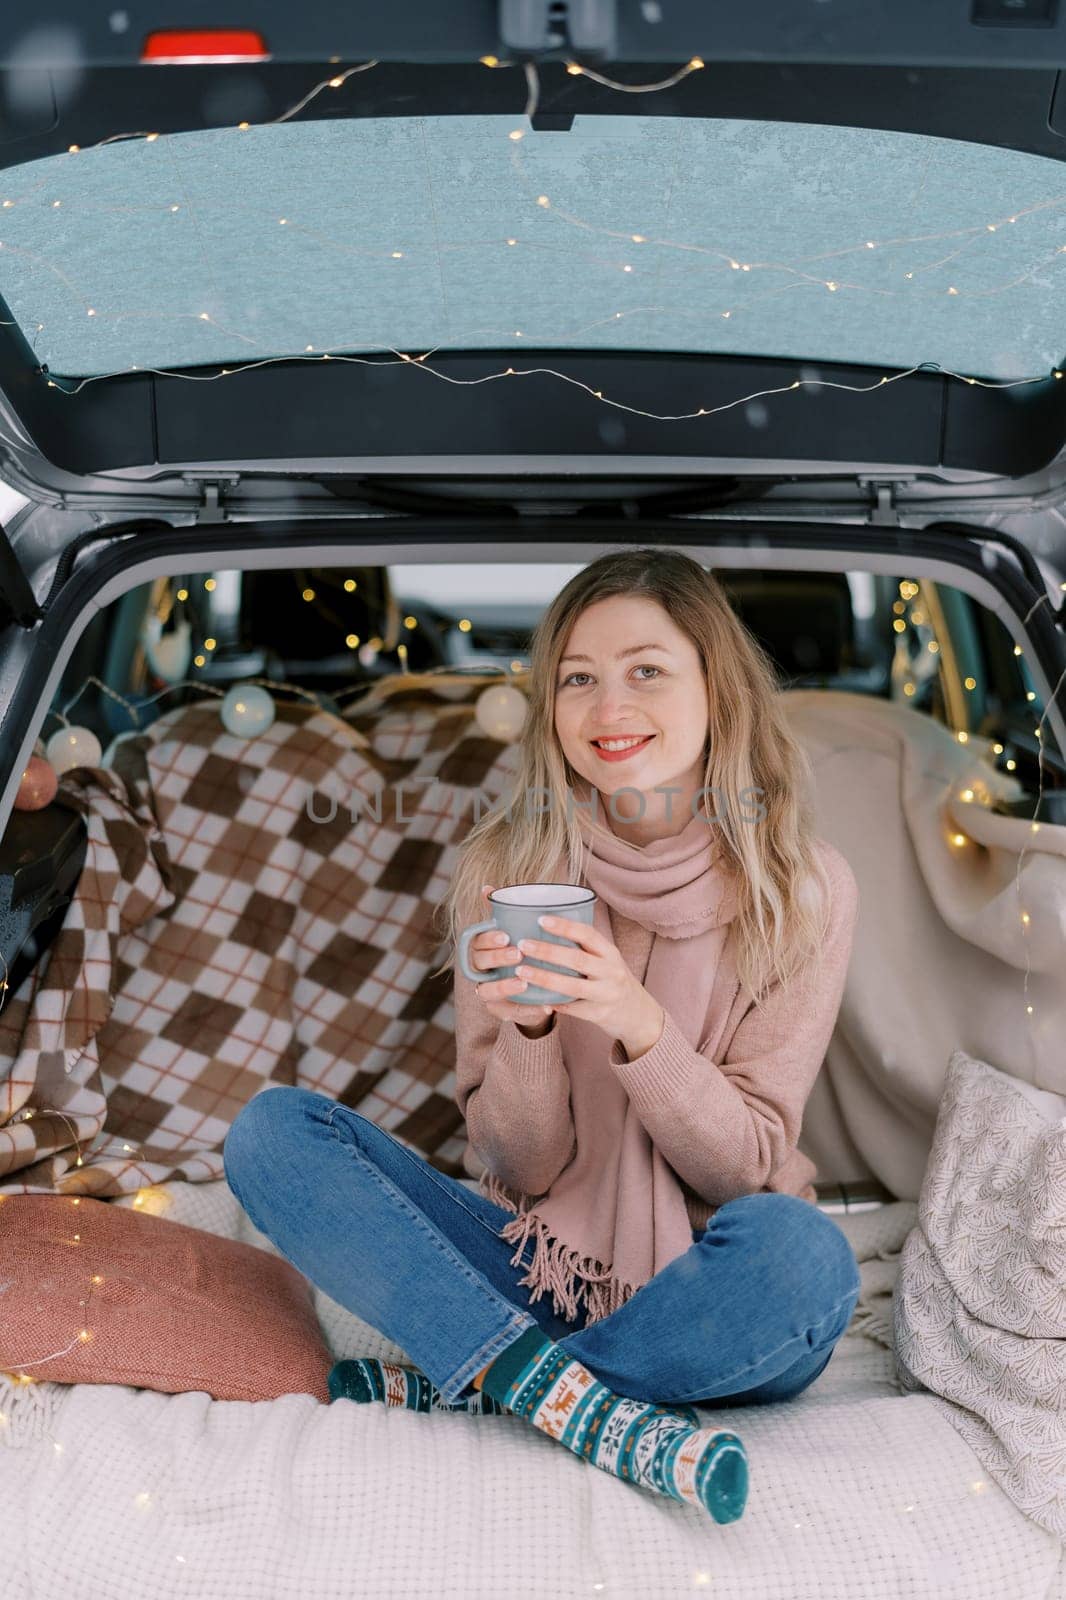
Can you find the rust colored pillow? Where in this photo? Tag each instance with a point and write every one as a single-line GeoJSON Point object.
{"type": "Point", "coordinates": [165, 1306]}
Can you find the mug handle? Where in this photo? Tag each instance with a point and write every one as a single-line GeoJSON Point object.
{"type": "Point", "coordinates": [464, 953]}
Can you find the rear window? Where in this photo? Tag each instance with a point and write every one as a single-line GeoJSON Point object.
{"type": "Point", "coordinates": [368, 237]}
{"type": "Point", "coordinates": [332, 633]}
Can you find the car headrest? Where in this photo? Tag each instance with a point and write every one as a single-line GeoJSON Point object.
{"type": "Point", "coordinates": [275, 614]}
{"type": "Point", "coordinates": [804, 620]}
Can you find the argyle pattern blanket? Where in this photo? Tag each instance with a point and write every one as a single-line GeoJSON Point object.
{"type": "Point", "coordinates": [250, 911]}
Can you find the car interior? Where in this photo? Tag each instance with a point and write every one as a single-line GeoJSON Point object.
{"type": "Point", "coordinates": [930, 647]}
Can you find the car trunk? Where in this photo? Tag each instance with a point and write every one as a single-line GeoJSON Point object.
{"type": "Point", "coordinates": [205, 368]}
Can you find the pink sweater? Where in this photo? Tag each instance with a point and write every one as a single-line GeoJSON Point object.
{"type": "Point", "coordinates": [727, 1126]}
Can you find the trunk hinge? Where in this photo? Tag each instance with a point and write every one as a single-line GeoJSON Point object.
{"type": "Point", "coordinates": [18, 603]}
{"type": "Point", "coordinates": [884, 513]}
{"type": "Point", "coordinates": [211, 507]}
{"type": "Point", "coordinates": [534, 27]}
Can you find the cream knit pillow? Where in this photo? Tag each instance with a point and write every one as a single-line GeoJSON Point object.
{"type": "Point", "coordinates": [979, 1306]}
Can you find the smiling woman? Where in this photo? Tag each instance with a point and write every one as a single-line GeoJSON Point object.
{"type": "Point", "coordinates": [635, 233]}
{"type": "Point", "coordinates": [642, 709]}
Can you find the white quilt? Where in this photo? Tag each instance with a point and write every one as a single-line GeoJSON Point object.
{"type": "Point", "coordinates": [858, 1491]}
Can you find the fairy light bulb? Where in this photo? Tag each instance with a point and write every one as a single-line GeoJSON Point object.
{"type": "Point", "coordinates": [71, 747]}
{"type": "Point", "coordinates": [37, 786]}
{"type": "Point", "coordinates": [247, 710]}
{"type": "Point", "coordinates": [500, 711]}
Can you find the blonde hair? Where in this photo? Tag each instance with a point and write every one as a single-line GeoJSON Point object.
{"type": "Point", "coordinates": [777, 929]}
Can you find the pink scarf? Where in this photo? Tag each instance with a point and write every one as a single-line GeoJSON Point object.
{"type": "Point", "coordinates": [616, 1215]}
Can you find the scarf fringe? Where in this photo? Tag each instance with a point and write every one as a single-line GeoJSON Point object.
{"type": "Point", "coordinates": [567, 1275]}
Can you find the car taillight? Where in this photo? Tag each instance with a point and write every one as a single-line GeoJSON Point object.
{"type": "Point", "coordinates": [187, 46]}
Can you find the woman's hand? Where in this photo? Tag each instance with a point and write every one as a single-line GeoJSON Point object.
{"type": "Point", "coordinates": [488, 950]}
{"type": "Point", "coordinates": [604, 989]}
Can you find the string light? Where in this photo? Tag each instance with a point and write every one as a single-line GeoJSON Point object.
{"type": "Point", "coordinates": [421, 363]}
{"type": "Point", "coordinates": [576, 70]}
{"type": "Point", "coordinates": [795, 267]}
{"type": "Point", "coordinates": [967, 233]}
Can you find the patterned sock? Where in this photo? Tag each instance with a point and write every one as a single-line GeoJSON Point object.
{"type": "Point", "coordinates": [366, 1378]}
{"type": "Point", "coordinates": [655, 1446]}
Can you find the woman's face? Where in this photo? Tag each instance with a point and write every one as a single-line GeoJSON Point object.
{"type": "Point", "coordinates": [638, 674]}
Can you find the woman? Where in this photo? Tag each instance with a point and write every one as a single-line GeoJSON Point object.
{"type": "Point", "coordinates": [656, 1112]}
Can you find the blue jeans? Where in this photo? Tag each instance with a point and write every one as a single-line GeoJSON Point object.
{"type": "Point", "coordinates": [748, 1315]}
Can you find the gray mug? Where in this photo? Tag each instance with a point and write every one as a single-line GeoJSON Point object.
{"type": "Point", "coordinates": [516, 910]}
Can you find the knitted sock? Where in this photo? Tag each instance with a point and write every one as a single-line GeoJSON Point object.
{"type": "Point", "coordinates": [365, 1378]}
{"type": "Point", "coordinates": [654, 1446]}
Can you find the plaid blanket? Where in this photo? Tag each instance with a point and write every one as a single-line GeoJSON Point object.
{"type": "Point", "coordinates": [250, 911]}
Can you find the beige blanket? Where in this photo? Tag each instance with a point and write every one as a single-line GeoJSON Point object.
{"type": "Point", "coordinates": [942, 958]}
